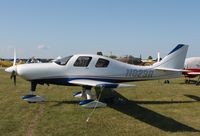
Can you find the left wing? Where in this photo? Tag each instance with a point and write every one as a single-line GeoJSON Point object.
{"type": "Point", "coordinates": [94, 83]}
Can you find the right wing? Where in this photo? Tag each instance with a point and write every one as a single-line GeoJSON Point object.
{"type": "Point", "coordinates": [94, 83]}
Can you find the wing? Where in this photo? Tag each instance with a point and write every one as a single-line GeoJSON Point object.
{"type": "Point", "coordinates": [193, 73]}
{"type": "Point", "coordinates": [94, 83]}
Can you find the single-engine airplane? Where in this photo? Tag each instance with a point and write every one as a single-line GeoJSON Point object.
{"type": "Point", "coordinates": [96, 71]}
{"type": "Point", "coordinates": [193, 66]}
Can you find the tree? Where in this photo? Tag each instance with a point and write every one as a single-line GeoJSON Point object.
{"type": "Point", "coordinates": [113, 56]}
{"type": "Point", "coordinates": [150, 57]}
{"type": "Point", "coordinates": [100, 53]}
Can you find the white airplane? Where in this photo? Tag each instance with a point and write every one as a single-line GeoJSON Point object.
{"type": "Point", "coordinates": [96, 71]}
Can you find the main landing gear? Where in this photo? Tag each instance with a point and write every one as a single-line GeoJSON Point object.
{"type": "Point", "coordinates": [89, 102]}
{"type": "Point", "coordinates": [31, 98]}
{"type": "Point", "coordinates": [188, 81]}
{"type": "Point", "coordinates": [166, 82]}
{"type": "Point", "coordinates": [198, 81]}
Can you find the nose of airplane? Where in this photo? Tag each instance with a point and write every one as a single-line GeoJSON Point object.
{"type": "Point", "coordinates": [10, 69]}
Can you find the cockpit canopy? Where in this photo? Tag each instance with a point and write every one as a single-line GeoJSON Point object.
{"type": "Point", "coordinates": [63, 61]}
{"type": "Point", "coordinates": [83, 61]}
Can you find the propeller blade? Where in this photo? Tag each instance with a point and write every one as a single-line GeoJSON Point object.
{"type": "Point", "coordinates": [158, 56]}
{"type": "Point", "coordinates": [14, 60]}
{"type": "Point", "coordinates": [14, 73]}
{"type": "Point", "coordinates": [13, 69]}
{"type": "Point", "coordinates": [13, 76]}
{"type": "Point", "coordinates": [15, 80]}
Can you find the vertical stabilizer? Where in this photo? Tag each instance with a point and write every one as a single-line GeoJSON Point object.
{"type": "Point", "coordinates": [175, 59]}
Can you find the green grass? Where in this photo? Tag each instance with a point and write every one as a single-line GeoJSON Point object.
{"type": "Point", "coordinates": [153, 109]}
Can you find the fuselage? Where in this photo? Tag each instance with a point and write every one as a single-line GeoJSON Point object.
{"type": "Point", "coordinates": [192, 65]}
{"type": "Point", "coordinates": [95, 71]}
{"type": "Point", "coordinates": [85, 66]}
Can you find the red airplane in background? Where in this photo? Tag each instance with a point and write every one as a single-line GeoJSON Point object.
{"type": "Point", "coordinates": [192, 65]}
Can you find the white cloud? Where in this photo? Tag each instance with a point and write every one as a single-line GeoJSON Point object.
{"type": "Point", "coordinates": [42, 47]}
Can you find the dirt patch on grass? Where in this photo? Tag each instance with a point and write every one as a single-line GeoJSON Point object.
{"type": "Point", "coordinates": [34, 121]}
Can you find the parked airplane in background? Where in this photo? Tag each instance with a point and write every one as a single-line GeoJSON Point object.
{"type": "Point", "coordinates": [193, 67]}
{"type": "Point", "coordinates": [96, 71]}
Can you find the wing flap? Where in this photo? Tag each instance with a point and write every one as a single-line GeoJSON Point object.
{"type": "Point", "coordinates": [94, 83]}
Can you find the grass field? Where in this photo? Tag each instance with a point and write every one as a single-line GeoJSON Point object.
{"type": "Point", "coordinates": [150, 108]}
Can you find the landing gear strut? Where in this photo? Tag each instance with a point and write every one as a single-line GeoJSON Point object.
{"type": "Point", "coordinates": [84, 93]}
{"type": "Point", "coordinates": [89, 102]}
{"type": "Point", "coordinates": [33, 87]}
{"type": "Point", "coordinates": [198, 81]}
{"type": "Point", "coordinates": [166, 82]}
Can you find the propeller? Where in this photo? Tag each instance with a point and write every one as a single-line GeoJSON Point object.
{"type": "Point", "coordinates": [158, 56]}
{"type": "Point", "coordinates": [13, 76]}
{"type": "Point", "coordinates": [14, 72]}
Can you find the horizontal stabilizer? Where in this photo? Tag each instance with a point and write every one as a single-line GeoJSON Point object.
{"type": "Point", "coordinates": [171, 69]}
{"type": "Point", "coordinates": [94, 83]}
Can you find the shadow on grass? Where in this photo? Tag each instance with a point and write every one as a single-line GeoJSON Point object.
{"type": "Point", "coordinates": [191, 82]}
{"type": "Point", "coordinates": [162, 102]}
{"type": "Point", "coordinates": [196, 98]}
{"type": "Point", "coordinates": [133, 109]}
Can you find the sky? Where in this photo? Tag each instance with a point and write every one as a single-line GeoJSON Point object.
{"type": "Point", "coordinates": [51, 28]}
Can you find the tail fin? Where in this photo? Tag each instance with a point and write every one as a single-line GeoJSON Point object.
{"type": "Point", "coordinates": [174, 60]}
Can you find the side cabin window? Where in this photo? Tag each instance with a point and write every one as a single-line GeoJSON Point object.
{"type": "Point", "coordinates": [82, 61]}
{"type": "Point", "coordinates": [102, 63]}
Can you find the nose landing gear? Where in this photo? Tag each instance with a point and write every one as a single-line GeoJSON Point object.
{"type": "Point", "coordinates": [31, 98]}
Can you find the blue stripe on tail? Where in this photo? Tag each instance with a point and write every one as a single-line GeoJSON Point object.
{"type": "Point", "coordinates": [176, 48]}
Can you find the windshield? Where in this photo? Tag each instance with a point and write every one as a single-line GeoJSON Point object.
{"type": "Point", "coordinates": [63, 61]}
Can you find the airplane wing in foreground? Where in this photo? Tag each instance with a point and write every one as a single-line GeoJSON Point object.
{"type": "Point", "coordinates": [94, 83]}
